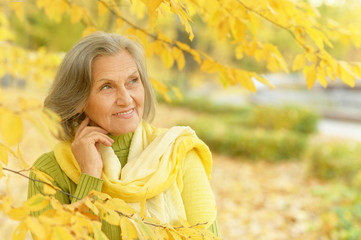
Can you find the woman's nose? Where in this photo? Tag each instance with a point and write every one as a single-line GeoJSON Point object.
{"type": "Point", "coordinates": [123, 97]}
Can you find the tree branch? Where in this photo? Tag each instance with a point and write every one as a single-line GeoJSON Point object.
{"type": "Point", "coordinates": [39, 181]}
{"type": "Point", "coordinates": [273, 22]}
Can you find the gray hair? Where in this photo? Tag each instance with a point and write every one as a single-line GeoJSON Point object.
{"type": "Point", "coordinates": [70, 90]}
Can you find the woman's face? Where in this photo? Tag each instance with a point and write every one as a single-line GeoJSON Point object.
{"type": "Point", "coordinates": [116, 100]}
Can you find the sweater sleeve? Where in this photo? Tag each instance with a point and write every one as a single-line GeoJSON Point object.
{"type": "Point", "coordinates": [48, 165]}
{"type": "Point", "coordinates": [197, 193]}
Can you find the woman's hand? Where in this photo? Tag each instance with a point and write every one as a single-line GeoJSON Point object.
{"type": "Point", "coordinates": [85, 147]}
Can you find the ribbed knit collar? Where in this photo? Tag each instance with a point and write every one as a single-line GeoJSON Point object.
{"type": "Point", "coordinates": [121, 146]}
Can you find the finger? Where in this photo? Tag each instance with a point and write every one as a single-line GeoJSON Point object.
{"type": "Point", "coordinates": [89, 129]}
{"type": "Point", "coordinates": [101, 138]}
{"type": "Point", "coordinates": [82, 125]}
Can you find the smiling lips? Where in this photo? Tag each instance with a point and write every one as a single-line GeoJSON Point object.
{"type": "Point", "coordinates": [124, 114]}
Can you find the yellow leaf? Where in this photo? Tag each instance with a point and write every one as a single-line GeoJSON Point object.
{"type": "Point", "coordinates": [11, 127]}
{"type": "Point", "coordinates": [20, 232]}
{"type": "Point", "coordinates": [299, 62]}
{"type": "Point", "coordinates": [76, 13]}
{"type": "Point", "coordinates": [318, 37]}
{"type": "Point", "coordinates": [138, 9]}
{"type": "Point", "coordinates": [357, 70]}
{"type": "Point", "coordinates": [196, 56]}
{"type": "Point", "coordinates": [255, 23]}
{"type": "Point", "coordinates": [37, 202]}
{"type": "Point", "coordinates": [321, 76]}
{"type": "Point", "coordinates": [52, 120]}
{"type": "Point", "coordinates": [346, 74]}
{"type": "Point", "coordinates": [41, 3]}
{"type": "Point", "coordinates": [167, 58]}
{"type": "Point", "coordinates": [30, 103]}
{"type": "Point", "coordinates": [146, 230]}
{"type": "Point", "coordinates": [119, 22]}
{"type": "Point", "coordinates": [238, 30]}
{"type": "Point", "coordinates": [173, 235]}
{"type": "Point", "coordinates": [48, 190]}
{"type": "Point", "coordinates": [245, 79]}
{"type": "Point", "coordinates": [79, 223]}
{"type": "Point", "coordinates": [98, 233]}
{"type": "Point", "coordinates": [264, 81]}
{"type": "Point", "coordinates": [239, 52]}
{"type": "Point", "coordinates": [222, 29]}
{"type": "Point", "coordinates": [42, 176]}
{"type": "Point", "coordinates": [121, 206]}
{"type": "Point", "coordinates": [209, 66]}
{"type": "Point", "coordinates": [61, 233]}
{"type": "Point", "coordinates": [179, 57]}
{"type": "Point", "coordinates": [102, 8]}
{"type": "Point", "coordinates": [310, 74]}
{"type": "Point", "coordinates": [18, 8]}
{"type": "Point", "coordinates": [161, 88]}
{"type": "Point", "coordinates": [22, 161]}
{"type": "Point", "coordinates": [177, 93]}
{"type": "Point", "coordinates": [152, 6]}
{"type": "Point", "coordinates": [177, 8]}
{"type": "Point", "coordinates": [89, 30]}
{"type": "Point", "coordinates": [18, 213]}
{"type": "Point", "coordinates": [91, 206]}
{"type": "Point", "coordinates": [3, 154]}
{"type": "Point", "coordinates": [143, 208]}
{"type": "Point", "coordinates": [128, 229]}
{"type": "Point", "coordinates": [107, 214]}
{"type": "Point", "coordinates": [183, 46]}
{"type": "Point", "coordinates": [1, 173]}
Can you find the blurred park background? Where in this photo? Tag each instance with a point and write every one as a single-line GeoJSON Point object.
{"type": "Point", "coordinates": [286, 160]}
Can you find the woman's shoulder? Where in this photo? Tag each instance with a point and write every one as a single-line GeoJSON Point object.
{"type": "Point", "coordinates": [46, 161]}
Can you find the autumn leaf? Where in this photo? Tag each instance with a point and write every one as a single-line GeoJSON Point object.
{"type": "Point", "coordinates": [20, 232]}
{"type": "Point", "coordinates": [37, 203]}
{"type": "Point", "coordinates": [129, 231]}
{"type": "Point", "coordinates": [11, 127]}
{"type": "Point", "coordinates": [60, 233]}
{"type": "Point", "coordinates": [3, 154]}
{"type": "Point", "coordinates": [311, 76]}
{"type": "Point", "coordinates": [1, 173]}
{"type": "Point", "coordinates": [299, 62]}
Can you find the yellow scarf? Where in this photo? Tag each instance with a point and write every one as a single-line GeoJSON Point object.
{"type": "Point", "coordinates": [153, 170]}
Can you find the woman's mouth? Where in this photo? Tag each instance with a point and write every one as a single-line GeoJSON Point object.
{"type": "Point", "coordinates": [125, 113]}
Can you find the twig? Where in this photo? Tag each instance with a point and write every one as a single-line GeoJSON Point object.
{"type": "Point", "coordinates": [274, 23]}
{"type": "Point", "coordinates": [39, 181]}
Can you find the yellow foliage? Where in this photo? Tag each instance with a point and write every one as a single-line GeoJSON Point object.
{"type": "Point", "coordinates": [77, 13]}
{"type": "Point", "coordinates": [346, 74]}
{"type": "Point", "coordinates": [11, 127]}
{"type": "Point", "coordinates": [102, 8]}
{"type": "Point", "coordinates": [310, 73]}
{"type": "Point", "coordinates": [20, 232]}
{"type": "Point", "coordinates": [179, 57]}
{"type": "Point", "coordinates": [60, 233]}
{"type": "Point", "coordinates": [37, 203]}
{"type": "Point", "coordinates": [3, 154]}
{"type": "Point", "coordinates": [129, 230]}
{"type": "Point", "coordinates": [1, 175]}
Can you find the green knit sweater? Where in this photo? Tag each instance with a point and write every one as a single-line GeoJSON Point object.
{"type": "Point", "coordinates": [48, 164]}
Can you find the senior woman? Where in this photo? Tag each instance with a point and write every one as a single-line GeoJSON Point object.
{"type": "Point", "coordinates": [105, 100]}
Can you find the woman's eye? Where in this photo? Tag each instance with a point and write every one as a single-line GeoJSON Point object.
{"type": "Point", "coordinates": [105, 86]}
{"type": "Point", "coordinates": [133, 81]}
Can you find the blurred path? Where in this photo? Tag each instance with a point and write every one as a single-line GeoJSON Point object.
{"type": "Point", "coordinates": [340, 129]}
